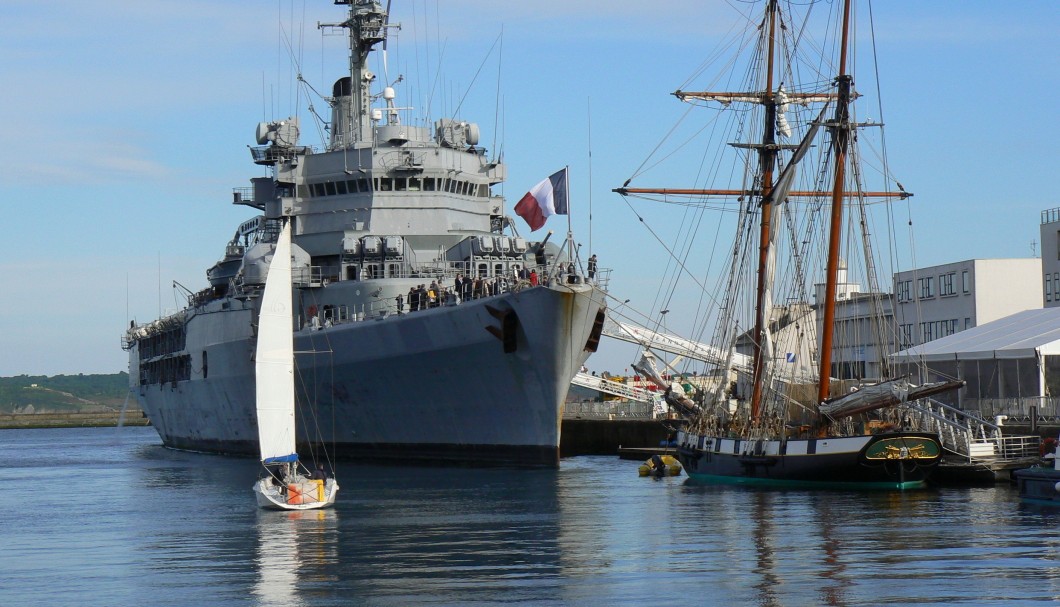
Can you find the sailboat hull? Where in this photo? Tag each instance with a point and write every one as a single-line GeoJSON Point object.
{"type": "Point", "coordinates": [430, 386]}
{"type": "Point", "coordinates": [271, 496]}
{"type": "Point", "coordinates": [901, 460]}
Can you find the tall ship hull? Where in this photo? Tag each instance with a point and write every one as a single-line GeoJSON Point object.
{"type": "Point", "coordinates": [884, 461]}
{"type": "Point", "coordinates": [425, 327]}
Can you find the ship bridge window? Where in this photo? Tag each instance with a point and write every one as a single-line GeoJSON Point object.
{"type": "Point", "coordinates": [330, 188]}
{"type": "Point", "coordinates": [340, 187]}
{"type": "Point", "coordinates": [428, 184]}
{"type": "Point", "coordinates": [483, 191]}
{"type": "Point", "coordinates": [483, 270]}
{"type": "Point", "coordinates": [414, 184]}
{"type": "Point", "coordinates": [303, 191]}
{"type": "Point", "coordinates": [384, 184]}
{"type": "Point", "coordinates": [318, 189]}
{"type": "Point", "coordinates": [464, 188]}
{"type": "Point", "coordinates": [400, 184]}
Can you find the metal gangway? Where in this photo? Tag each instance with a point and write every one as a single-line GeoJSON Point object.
{"type": "Point", "coordinates": [673, 344]}
{"type": "Point", "coordinates": [970, 436]}
{"type": "Point", "coordinates": [615, 388]}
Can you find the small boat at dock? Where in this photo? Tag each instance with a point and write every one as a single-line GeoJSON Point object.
{"type": "Point", "coordinates": [660, 465]}
{"type": "Point", "coordinates": [1040, 484]}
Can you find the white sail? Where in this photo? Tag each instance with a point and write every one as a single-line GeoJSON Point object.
{"type": "Point", "coordinates": [274, 360]}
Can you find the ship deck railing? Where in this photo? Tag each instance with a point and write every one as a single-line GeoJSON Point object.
{"type": "Point", "coordinates": [610, 410]}
{"type": "Point", "coordinates": [446, 296]}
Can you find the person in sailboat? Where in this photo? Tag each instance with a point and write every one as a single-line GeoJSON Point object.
{"type": "Point", "coordinates": [319, 474]}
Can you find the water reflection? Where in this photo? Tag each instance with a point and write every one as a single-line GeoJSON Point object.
{"type": "Point", "coordinates": [761, 510]}
{"type": "Point", "coordinates": [158, 527]}
{"type": "Point", "coordinates": [833, 583]}
{"type": "Point", "coordinates": [296, 556]}
{"type": "Point", "coordinates": [448, 535]}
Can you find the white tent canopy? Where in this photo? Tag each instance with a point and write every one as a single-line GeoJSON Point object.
{"type": "Point", "coordinates": [1026, 334]}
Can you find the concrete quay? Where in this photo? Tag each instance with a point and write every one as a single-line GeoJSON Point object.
{"type": "Point", "coordinates": [133, 417]}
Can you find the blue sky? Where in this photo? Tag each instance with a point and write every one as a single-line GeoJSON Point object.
{"type": "Point", "coordinates": [126, 126]}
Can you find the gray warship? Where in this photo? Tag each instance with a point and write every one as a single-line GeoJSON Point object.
{"type": "Point", "coordinates": [420, 334]}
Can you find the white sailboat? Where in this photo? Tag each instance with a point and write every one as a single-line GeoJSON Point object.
{"type": "Point", "coordinates": [287, 485]}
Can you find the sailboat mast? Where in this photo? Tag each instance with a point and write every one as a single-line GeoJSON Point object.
{"type": "Point", "coordinates": [840, 138]}
{"type": "Point", "coordinates": [767, 155]}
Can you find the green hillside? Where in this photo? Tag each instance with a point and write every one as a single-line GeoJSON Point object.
{"type": "Point", "coordinates": [63, 393]}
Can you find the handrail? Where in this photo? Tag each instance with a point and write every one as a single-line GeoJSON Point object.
{"type": "Point", "coordinates": [970, 436]}
{"type": "Point", "coordinates": [615, 388]}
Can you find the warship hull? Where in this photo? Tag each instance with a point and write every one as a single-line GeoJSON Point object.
{"type": "Point", "coordinates": [434, 385]}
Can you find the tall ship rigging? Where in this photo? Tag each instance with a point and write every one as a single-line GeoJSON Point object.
{"type": "Point", "coordinates": [417, 333]}
{"type": "Point", "coordinates": [799, 390]}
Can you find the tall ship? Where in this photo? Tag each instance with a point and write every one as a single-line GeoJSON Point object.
{"type": "Point", "coordinates": [425, 328]}
{"type": "Point", "coordinates": [801, 392]}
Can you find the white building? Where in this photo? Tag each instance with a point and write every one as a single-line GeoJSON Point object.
{"type": "Point", "coordinates": [1009, 364]}
{"type": "Point", "coordinates": [942, 300]}
{"type": "Point", "coordinates": [1050, 230]}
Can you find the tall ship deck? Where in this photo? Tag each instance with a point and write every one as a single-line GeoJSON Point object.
{"type": "Point", "coordinates": [425, 327]}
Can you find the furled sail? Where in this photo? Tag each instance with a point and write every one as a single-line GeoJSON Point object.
{"type": "Point", "coordinates": [274, 359]}
{"type": "Point", "coordinates": [884, 394]}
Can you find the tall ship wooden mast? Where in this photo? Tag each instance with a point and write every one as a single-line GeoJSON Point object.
{"type": "Point", "coordinates": [417, 334]}
{"type": "Point", "coordinates": [787, 425]}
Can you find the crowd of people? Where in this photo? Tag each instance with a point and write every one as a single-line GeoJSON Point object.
{"type": "Point", "coordinates": [464, 288]}
{"type": "Point", "coordinates": [467, 288]}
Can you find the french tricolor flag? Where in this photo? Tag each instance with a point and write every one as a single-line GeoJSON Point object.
{"type": "Point", "coordinates": [543, 200]}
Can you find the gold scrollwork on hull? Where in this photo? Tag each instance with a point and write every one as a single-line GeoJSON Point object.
{"type": "Point", "coordinates": [903, 449]}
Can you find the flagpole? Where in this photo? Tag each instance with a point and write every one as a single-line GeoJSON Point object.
{"type": "Point", "coordinates": [571, 251]}
{"type": "Point", "coordinates": [566, 177]}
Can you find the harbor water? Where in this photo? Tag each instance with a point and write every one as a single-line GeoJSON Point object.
{"type": "Point", "coordinates": [107, 516]}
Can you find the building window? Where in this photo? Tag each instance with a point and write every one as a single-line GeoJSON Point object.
{"type": "Point", "coordinates": [926, 332]}
{"type": "Point", "coordinates": [946, 284]}
{"type": "Point", "coordinates": [1056, 286]}
{"type": "Point", "coordinates": [906, 336]}
{"type": "Point", "coordinates": [903, 289]}
{"type": "Point", "coordinates": [926, 287]}
{"type": "Point", "coordinates": [1048, 287]}
{"type": "Point", "coordinates": [965, 286]}
{"type": "Point", "coordinates": [967, 323]}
